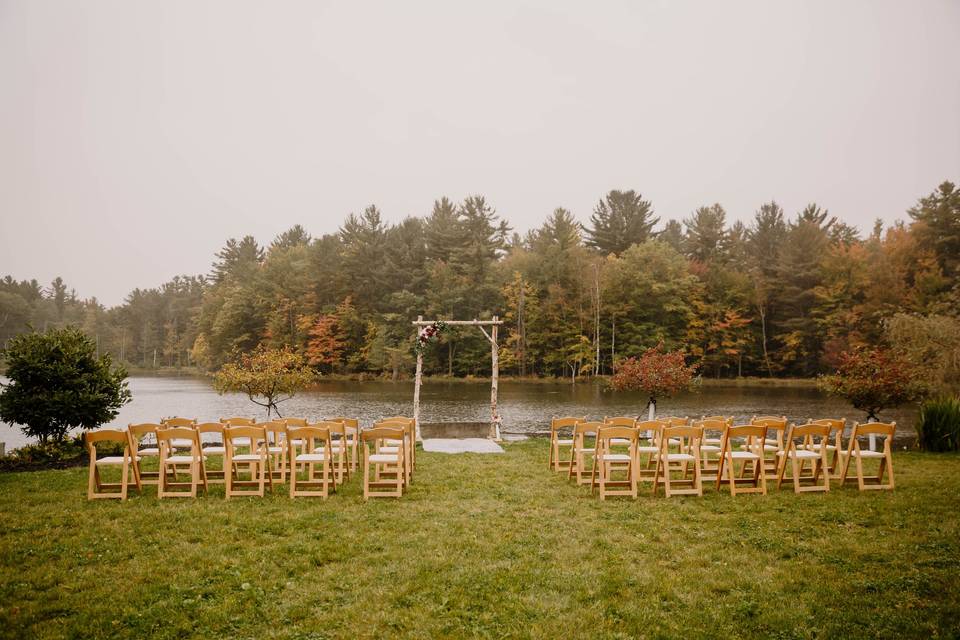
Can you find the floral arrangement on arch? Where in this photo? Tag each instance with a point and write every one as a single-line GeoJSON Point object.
{"type": "Point", "coordinates": [428, 334]}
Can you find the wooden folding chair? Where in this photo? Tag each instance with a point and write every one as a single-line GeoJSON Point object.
{"type": "Point", "coordinates": [239, 421]}
{"type": "Point", "coordinates": [170, 461]}
{"type": "Point", "coordinates": [96, 487]}
{"type": "Point", "coordinates": [180, 443]}
{"type": "Point", "coordinates": [794, 452]}
{"type": "Point", "coordinates": [648, 430]}
{"type": "Point", "coordinates": [144, 444]}
{"type": "Point", "coordinates": [338, 449]}
{"type": "Point", "coordinates": [315, 450]}
{"type": "Point", "coordinates": [388, 446]}
{"type": "Point", "coordinates": [834, 444]}
{"type": "Point", "coordinates": [276, 446]}
{"type": "Point", "coordinates": [885, 457]}
{"type": "Point", "coordinates": [577, 467]}
{"type": "Point", "coordinates": [258, 461]}
{"type": "Point", "coordinates": [714, 430]}
{"type": "Point", "coordinates": [620, 421]}
{"type": "Point", "coordinates": [608, 462]}
{"type": "Point", "coordinates": [556, 440]}
{"type": "Point", "coordinates": [753, 436]}
{"type": "Point", "coordinates": [352, 427]}
{"type": "Point", "coordinates": [687, 456]}
{"type": "Point", "coordinates": [411, 437]}
{"type": "Point", "coordinates": [773, 443]}
{"type": "Point", "coordinates": [372, 461]}
{"type": "Point", "coordinates": [213, 446]}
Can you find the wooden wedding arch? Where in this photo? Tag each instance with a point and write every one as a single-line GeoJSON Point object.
{"type": "Point", "coordinates": [494, 324]}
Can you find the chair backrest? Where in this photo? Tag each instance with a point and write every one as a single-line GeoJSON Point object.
{"type": "Point", "coordinates": [335, 427]}
{"type": "Point", "coordinates": [773, 422]}
{"type": "Point", "coordinates": [747, 431]}
{"type": "Point", "coordinates": [209, 427]}
{"type": "Point", "coordinates": [309, 435]}
{"type": "Point", "coordinates": [295, 422]}
{"type": "Point", "coordinates": [836, 424]}
{"type": "Point", "coordinates": [728, 419]}
{"type": "Point", "coordinates": [811, 430]}
{"type": "Point", "coordinates": [382, 433]}
{"type": "Point", "coordinates": [675, 421]}
{"type": "Point", "coordinates": [276, 430]}
{"type": "Point", "coordinates": [691, 434]}
{"type": "Point", "coordinates": [238, 421]}
{"type": "Point", "coordinates": [140, 431]}
{"type": "Point", "coordinates": [105, 435]}
{"type": "Point", "coordinates": [178, 433]}
{"type": "Point", "coordinates": [620, 421]}
{"type": "Point", "coordinates": [178, 422]}
{"type": "Point", "coordinates": [877, 428]}
{"type": "Point", "coordinates": [606, 433]}
{"type": "Point", "coordinates": [565, 422]}
{"type": "Point", "coordinates": [253, 433]}
{"type": "Point", "coordinates": [586, 428]}
{"type": "Point", "coordinates": [714, 424]}
{"type": "Point", "coordinates": [409, 421]}
{"type": "Point", "coordinates": [350, 423]}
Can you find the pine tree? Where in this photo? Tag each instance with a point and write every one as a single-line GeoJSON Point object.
{"type": "Point", "coordinates": [620, 220]}
{"type": "Point", "coordinates": [705, 237]}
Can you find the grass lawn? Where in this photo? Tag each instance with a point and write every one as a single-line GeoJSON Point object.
{"type": "Point", "coordinates": [484, 546]}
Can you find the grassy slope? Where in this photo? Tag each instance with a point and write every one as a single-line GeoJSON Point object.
{"type": "Point", "coordinates": [484, 546]}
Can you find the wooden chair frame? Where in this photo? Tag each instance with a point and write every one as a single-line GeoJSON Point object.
{"type": "Point", "coordinates": [711, 467]}
{"type": "Point", "coordinates": [650, 430]}
{"type": "Point", "coordinates": [554, 461]}
{"type": "Point", "coordinates": [867, 483]}
{"type": "Point", "coordinates": [395, 460]}
{"type": "Point", "coordinates": [339, 449]}
{"type": "Point", "coordinates": [352, 427]}
{"type": "Point", "coordinates": [138, 433]}
{"type": "Point", "coordinates": [754, 436]}
{"type": "Point", "coordinates": [411, 425]}
{"type": "Point", "coordinates": [258, 461]}
{"type": "Point", "coordinates": [577, 467]}
{"type": "Point", "coordinates": [277, 446]}
{"type": "Point", "coordinates": [689, 454]}
{"type": "Point", "coordinates": [170, 461]}
{"type": "Point", "coordinates": [793, 452]}
{"type": "Point", "coordinates": [214, 476]}
{"type": "Point", "coordinates": [307, 459]}
{"type": "Point", "coordinates": [835, 449]}
{"type": "Point", "coordinates": [608, 462]}
{"type": "Point", "coordinates": [96, 488]}
{"type": "Point", "coordinates": [772, 446]}
{"type": "Point", "coordinates": [387, 446]}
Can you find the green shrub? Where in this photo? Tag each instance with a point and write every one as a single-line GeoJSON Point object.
{"type": "Point", "coordinates": [70, 452]}
{"type": "Point", "coordinates": [939, 426]}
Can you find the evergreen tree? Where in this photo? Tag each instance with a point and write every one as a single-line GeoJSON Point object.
{"type": "Point", "coordinates": [705, 236]}
{"type": "Point", "coordinates": [620, 220]}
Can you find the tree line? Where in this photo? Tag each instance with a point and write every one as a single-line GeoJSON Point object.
{"type": "Point", "coordinates": [782, 295]}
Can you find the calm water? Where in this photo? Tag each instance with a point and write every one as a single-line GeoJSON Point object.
{"type": "Point", "coordinates": [526, 408]}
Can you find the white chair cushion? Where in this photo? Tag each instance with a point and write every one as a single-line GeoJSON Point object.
{"type": "Point", "coordinates": [392, 442]}
{"type": "Point", "coordinates": [674, 441]}
{"type": "Point", "coordinates": [771, 447]}
{"type": "Point", "coordinates": [817, 446]}
{"type": "Point", "coordinates": [149, 451]}
{"type": "Point", "coordinates": [215, 451]}
{"type": "Point", "coordinates": [181, 459]}
{"type": "Point", "coordinates": [247, 457]}
{"type": "Point", "coordinates": [744, 455]}
{"type": "Point", "coordinates": [801, 453]}
{"type": "Point", "coordinates": [389, 450]}
{"type": "Point", "coordinates": [711, 441]}
{"type": "Point", "coordinates": [275, 449]}
{"type": "Point", "coordinates": [381, 457]}
{"type": "Point", "coordinates": [564, 442]}
{"type": "Point", "coordinates": [647, 449]}
{"type": "Point", "coordinates": [680, 457]}
{"type": "Point", "coordinates": [296, 442]}
{"type": "Point", "coordinates": [866, 453]}
{"type": "Point", "coordinates": [240, 442]}
{"type": "Point", "coordinates": [181, 443]}
{"type": "Point", "coordinates": [771, 441]}
{"type": "Point", "coordinates": [113, 460]}
{"type": "Point", "coordinates": [709, 447]}
{"type": "Point", "coordinates": [310, 457]}
{"type": "Point", "coordinates": [616, 457]}
{"type": "Point", "coordinates": [619, 441]}
{"type": "Point", "coordinates": [586, 450]}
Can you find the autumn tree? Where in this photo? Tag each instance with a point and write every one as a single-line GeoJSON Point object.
{"type": "Point", "coordinates": [267, 376]}
{"type": "Point", "coordinates": [656, 373]}
{"type": "Point", "coordinates": [874, 379]}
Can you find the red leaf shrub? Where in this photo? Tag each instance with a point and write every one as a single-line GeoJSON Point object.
{"type": "Point", "coordinates": [873, 379]}
{"type": "Point", "coordinates": [657, 373]}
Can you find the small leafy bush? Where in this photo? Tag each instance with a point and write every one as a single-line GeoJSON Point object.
{"type": "Point", "coordinates": [70, 452]}
{"type": "Point", "coordinates": [939, 426]}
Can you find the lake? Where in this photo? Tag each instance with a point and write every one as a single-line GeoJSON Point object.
{"type": "Point", "coordinates": [526, 408]}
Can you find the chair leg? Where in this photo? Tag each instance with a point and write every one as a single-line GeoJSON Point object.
{"type": "Point", "coordinates": [781, 469]}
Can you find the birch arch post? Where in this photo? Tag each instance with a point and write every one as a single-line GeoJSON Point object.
{"type": "Point", "coordinates": [494, 324]}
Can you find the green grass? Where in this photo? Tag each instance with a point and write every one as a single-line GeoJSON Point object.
{"type": "Point", "coordinates": [484, 546]}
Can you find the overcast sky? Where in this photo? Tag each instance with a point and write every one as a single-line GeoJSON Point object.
{"type": "Point", "coordinates": [135, 137]}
